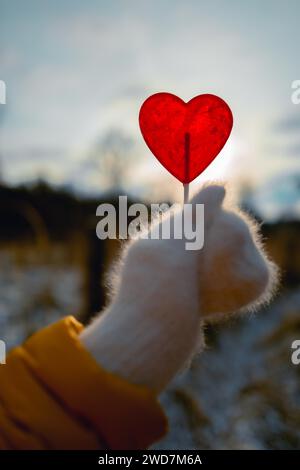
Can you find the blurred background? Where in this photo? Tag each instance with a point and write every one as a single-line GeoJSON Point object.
{"type": "Point", "coordinates": [76, 75]}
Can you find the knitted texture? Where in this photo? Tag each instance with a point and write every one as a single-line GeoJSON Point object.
{"type": "Point", "coordinates": [163, 294]}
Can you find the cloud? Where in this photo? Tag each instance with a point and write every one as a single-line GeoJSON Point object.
{"type": "Point", "coordinates": [289, 123]}
{"type": "Point", "coordinates": [80, 68]}
{"type": "Point", "coordinates": [279, 198]}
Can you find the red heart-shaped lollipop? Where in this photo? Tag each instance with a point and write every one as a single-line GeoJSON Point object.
{"type": "Point", "coordinates": [185, 137]}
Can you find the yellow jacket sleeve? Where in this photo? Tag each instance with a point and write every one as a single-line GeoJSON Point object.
{"type": "Point", "coordinates": [53, 395]}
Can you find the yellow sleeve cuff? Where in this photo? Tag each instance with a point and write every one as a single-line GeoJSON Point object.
{"type": "Point", "coordinates": [100, 406]}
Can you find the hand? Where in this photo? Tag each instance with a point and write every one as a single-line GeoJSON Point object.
{"type": "Point", "coordinates": [163, 293]}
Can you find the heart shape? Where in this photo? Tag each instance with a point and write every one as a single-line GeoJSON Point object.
{"type": "Point", "coordinates": [185, 137]}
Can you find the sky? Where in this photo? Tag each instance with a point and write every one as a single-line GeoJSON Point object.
{"type": "Point", "coordinates": [75, 71]}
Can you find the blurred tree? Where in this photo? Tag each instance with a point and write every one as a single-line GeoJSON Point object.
{"type": "Point", "coordinates": [112, 155]}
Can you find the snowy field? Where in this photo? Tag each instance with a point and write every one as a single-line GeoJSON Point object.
{"type": "Point", "coordinates": [243, 392]}
{"type": "Point", "coordinates": [34, 296]}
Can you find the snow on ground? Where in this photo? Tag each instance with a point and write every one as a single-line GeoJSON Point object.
{"type": "Point", "coordinates": [34, 296]}
{"type": "Point", "coordinates": [242, 392]}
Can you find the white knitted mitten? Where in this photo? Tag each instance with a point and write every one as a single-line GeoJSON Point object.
{"type": "Point", "coordinates": [163, 293]}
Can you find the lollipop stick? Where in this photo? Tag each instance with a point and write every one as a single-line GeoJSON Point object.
{"type": "Point", "coordinates": [186, 188]}
{"type": "Point", "coordinates": [186, 166]}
